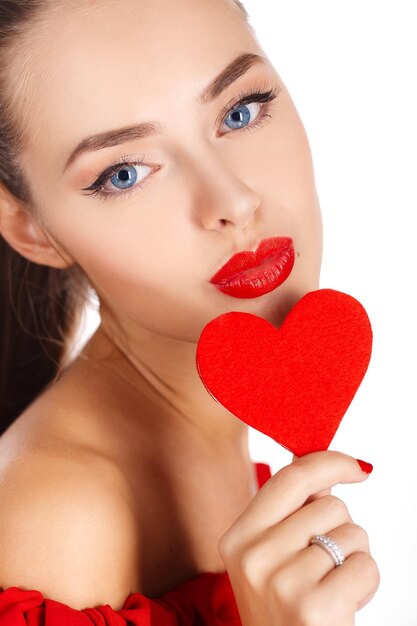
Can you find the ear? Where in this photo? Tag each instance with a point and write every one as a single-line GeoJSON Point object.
{"type": "Point", "coordinates": [25, 234]}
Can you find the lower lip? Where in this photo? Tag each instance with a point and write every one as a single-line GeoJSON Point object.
{"type": "Point", "coordinates": [262, 279]}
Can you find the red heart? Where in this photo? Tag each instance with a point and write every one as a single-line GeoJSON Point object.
{"type": "Point", "coordinates": [294, 383]}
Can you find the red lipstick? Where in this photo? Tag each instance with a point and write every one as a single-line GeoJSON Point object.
{"type": "Point", "coordinates": [250, 274]}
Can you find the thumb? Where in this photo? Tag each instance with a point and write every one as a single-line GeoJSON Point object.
{"type": "Point", "coordinates": [314, 496]}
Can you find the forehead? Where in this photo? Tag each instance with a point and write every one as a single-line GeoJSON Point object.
{"type": "Point", "coordinates": [111, 63]}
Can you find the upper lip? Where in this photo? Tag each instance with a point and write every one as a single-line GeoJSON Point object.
{"type": "Point", "coordinates": [246, 259]}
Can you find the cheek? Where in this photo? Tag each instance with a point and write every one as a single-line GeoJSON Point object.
{"type": "Point", "coordinates": [120, 252]}
{"type": "Point", "coordinates": [296, 185]}
{"type": "Point", "coordinates": [138, 266]}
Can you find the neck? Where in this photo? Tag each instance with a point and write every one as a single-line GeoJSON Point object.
{"type": "Point", "coordinates": [160, 373]}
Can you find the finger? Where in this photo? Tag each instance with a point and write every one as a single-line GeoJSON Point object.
{"type": "Point", "coordinates": [351, 585]}
{"type": "Point", "coordinates": [287, 490]}
{"type": "Point", "coordinates": [319, 494]}
{"type": "Point", "coordinates": [309, 566]}
{"type": "Point", "coordinates": [319, 517]}
{"type": "Point", "coordinates": [314, 563]}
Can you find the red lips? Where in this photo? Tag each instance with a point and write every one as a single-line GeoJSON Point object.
{"type": "Point", "coordinates": [250, 274]}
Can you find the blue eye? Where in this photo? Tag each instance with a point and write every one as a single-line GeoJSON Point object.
{"type": "Point", "coordinates": [238, 117]}
{"type": "Point", "coordinates": [126, 177]}
{"type": "Point", "coordinates": [122, 175]}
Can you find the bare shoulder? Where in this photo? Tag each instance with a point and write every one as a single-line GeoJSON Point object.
{"type": "Point", "coordinates": [67, 527]}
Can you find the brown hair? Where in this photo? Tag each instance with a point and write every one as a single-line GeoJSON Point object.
{"type": "Point", "coordinates": [40, 306]}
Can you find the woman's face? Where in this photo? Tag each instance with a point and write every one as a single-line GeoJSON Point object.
{"type": "Point", "coordinates": [208, 186]}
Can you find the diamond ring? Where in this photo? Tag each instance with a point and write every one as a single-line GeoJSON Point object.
{"type": "Point", "coordinates": [331, 548]}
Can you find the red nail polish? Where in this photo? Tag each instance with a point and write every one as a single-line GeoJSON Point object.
{"type": "Point", "coordinates": [365, 467]}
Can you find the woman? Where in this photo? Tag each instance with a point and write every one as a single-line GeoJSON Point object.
{"type": "Point", "coordinates": [128, 493]}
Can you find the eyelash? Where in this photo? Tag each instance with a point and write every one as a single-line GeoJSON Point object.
{"type": "Point", "coordinates": [255, 95]}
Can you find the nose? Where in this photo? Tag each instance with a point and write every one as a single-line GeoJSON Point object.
{"type": "Point", "coordinates": [223, 197]}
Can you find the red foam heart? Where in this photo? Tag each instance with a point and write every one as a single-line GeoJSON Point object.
{"type": "Point", "coordinates": [294, 383]}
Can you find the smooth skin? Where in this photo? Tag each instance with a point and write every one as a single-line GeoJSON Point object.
{"type": "Point", "coordinates": [127, 449]}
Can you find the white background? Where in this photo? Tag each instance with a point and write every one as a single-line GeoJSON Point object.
{"type": "Point", "coordinates": [350, 67]}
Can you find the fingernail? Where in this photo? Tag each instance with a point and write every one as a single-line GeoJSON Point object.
{"type": "Point", "coordinates": [365, 467]}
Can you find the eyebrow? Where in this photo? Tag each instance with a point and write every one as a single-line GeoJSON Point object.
{"type": "Point", "coordinates": [229, 75]}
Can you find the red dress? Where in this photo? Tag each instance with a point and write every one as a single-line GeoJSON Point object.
{"type": "Point", "coordinates": [205, 600]}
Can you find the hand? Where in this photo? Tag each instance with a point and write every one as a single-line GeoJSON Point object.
{"type": "Point", "coordinates": [278, 578]}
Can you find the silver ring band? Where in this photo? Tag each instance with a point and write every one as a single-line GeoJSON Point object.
{"type": "Point", "coordinates": [331, 548]}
